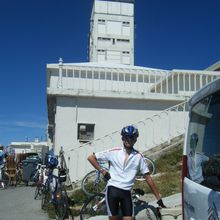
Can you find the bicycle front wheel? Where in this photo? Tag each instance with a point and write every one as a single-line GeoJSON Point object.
{"type": "Point", "coordinates": [93, 183]}
{"type": "Point", "coordinates": [38, 191]}
{"type": "Point", "coordinates": [34, 177]}
{"type": "Point", "coordinates": [94, 206]}
{"type": "Point", "coordinates": [151, 166]}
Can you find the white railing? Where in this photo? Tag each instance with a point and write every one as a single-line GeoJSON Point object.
{"type": "Point", "coordinates": [154, 130]}
{"type": "Point", "coordinates": [126, 80]}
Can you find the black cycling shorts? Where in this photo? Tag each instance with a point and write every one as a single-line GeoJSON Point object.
{"type": "Point", "coordinates": [119, 200]}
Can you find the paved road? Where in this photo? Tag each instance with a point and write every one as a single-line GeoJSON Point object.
{"type": "Point", "coordinates": [17, 203]}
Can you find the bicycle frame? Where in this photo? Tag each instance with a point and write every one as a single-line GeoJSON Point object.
{"type": "Point", "coordinates": [52, 185]}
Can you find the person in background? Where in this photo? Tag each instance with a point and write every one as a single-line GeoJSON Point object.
{"type": "Point", "coordinates": [3, 156]}
{"type": "Point", "coordinates": [196, 159]}
{"type": "Point", "coordinates": [125, 163]}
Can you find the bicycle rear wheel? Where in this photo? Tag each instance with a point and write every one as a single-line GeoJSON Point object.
{"type": "Point", "coordinates": [151, 166]}
{"type": "Point", "coordinates": [94, 206]}
{"type": "Point", "coordinates": [93, 184]}
{"type": "Point", "coordinates": [61, 205]}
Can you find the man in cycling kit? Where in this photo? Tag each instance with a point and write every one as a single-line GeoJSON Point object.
{"type": "Point", "coordinates": [125, 163]}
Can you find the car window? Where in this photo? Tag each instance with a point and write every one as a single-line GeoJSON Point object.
{"type": "Point", "coordinates": [203, 147]}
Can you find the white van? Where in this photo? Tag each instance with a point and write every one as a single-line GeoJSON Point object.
{"type": "Point", "coordinates": [201, 156]}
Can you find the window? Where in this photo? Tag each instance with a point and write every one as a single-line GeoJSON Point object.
{"type": "Point", "coordinates": [123, 40]}
{"type": "Point", "coordinates": [85, 132]}
{"type": "Point", "coordinates": [126, 23]}
{"type": "Point", "coordinates": [101, 20]}
{"type": "Point", "coordinates": [204, 142]}
{"type": "Point", "coordinates": [104, 39]}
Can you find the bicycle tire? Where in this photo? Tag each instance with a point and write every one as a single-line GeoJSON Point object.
{"type": "Point", "coordinates": [34, 177]}
{"type": "Point", "coordinates": [18, 178]}
{"type": "Point", "coordinates": [45, 199]}
{"type": "Point", "coordinates": [38, 192]}
{"type": "Point", "coordinates": [94, 206]}
{"type": "Point", "coordinates": [151, 166]}
{"type": "Point", "coordinates": [61, 206]}
{"type": "Point", "coordinates": [91, 185]}
{"type": "Point", "coordinates": [5, 181]}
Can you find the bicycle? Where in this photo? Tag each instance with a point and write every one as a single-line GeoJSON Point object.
{"type": "Point", "coordinates": [94, 182]}
{"type": "Point", "coordinates": [39, 177]}
{"type": "Point", "coordinates": [151, 166]}
{"type": "Point", "coordinates": [4, 177]}
{"type": "Point", "coordinates": [18, 174]}
{"type": "Point", "coordinates": [96, 206]}
{"type": "Point", "coordinates": [54, 191]}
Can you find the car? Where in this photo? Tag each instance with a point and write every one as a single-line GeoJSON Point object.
{"type": "Point", "coordinates": [201, 156]}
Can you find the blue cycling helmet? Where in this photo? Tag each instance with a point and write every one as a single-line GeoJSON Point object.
{"type": "Point", "coordinates": [129, 131]}
{"type": "Point", "coordinates": [52, 161]}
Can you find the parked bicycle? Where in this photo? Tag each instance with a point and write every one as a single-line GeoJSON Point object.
{"type": "Point", "coordinates": [39, 177]}
{"type": "Point", "coordinates": [54, 192]}
{"type": "Point", "coordinates": [19, 174]}
{"type": "Point", "coordinates": [4, 177]}
{"type": "Point", "coordinates": [96, 206]}
{"type": "Point", "coordinates": [94, 182]}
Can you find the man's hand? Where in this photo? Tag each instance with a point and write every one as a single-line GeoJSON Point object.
{"type": "Point", "coordinates": [160, 203]}
{"type": "Point", "coordinates": [107, 176]}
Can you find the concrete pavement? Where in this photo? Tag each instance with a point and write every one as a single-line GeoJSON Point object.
{"type": "Point", "coordinates": [17, 203]}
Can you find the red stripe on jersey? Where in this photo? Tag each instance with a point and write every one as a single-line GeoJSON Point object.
{"type": "Point", "coordinates": [114, 149]}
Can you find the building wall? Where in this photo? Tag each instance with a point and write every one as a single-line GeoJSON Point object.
{"type": "Point", "coordinates": [108, 115]}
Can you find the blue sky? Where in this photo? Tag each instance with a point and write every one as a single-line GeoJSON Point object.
{"type": "Point", "coordinates": [171, 34]}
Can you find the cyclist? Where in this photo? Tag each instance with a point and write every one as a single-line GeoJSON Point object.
{"type": "Point", "coordinates": [125, 162]}
{"type": "Point", "coordinates": [3, 156]}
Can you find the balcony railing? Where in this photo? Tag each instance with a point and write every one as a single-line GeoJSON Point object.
{"type": "Point", "coordinates": [75, 79]}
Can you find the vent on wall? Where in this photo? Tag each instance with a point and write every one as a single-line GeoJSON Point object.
{"type": "Point", "coordinates": [86, 132]}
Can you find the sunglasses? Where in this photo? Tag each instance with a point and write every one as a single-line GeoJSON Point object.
{"type": "Point", "coordinates": [129, 138]}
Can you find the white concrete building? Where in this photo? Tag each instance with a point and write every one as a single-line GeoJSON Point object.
{"type": "Point", "coordinates": [28, 147]}
{"type": "Point", "coordinates": [89, 103]}
{"type": "Point", "coordinates": [112, 32]}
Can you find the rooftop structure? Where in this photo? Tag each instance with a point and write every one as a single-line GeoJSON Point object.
{"type": "Point", "coordinates": [111, 37]}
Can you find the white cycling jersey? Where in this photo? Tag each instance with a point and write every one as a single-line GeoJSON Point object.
{"type": "Point", "coordinates": [123, 174]}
